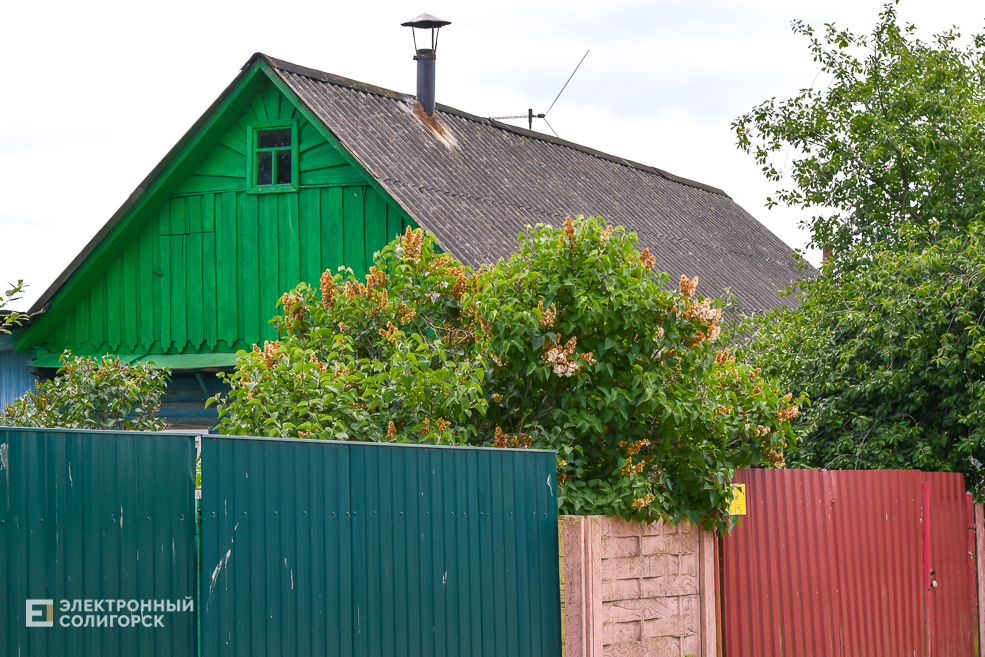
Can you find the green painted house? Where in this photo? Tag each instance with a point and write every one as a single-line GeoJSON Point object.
{"type": "Point", "coordinates": [293, 171]}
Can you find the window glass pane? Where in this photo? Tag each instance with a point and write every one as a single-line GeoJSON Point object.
{"type": "Point", "coordinates": [264, 168]}
{"type": "Point", "coordinates": [274, 138]}
{"type": "Point", "coordinates": [283, 167]}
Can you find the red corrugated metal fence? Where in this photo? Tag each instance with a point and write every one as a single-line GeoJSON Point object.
{"type": "Point", "coordinates": [832, 563]}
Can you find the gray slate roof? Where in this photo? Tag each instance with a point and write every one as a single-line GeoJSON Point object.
{"type": "Point", "coordinates": [481, 184]}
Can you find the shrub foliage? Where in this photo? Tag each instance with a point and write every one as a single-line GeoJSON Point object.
{"type": "Point", "coordinates": [573, 344]}
{"type": "Point", "coordinates": [93, 393]}
{"type": "Point", "coordinates": [891, 355]}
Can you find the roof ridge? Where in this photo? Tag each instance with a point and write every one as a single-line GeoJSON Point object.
{"type": "Point", "coordinates": [331, 78]}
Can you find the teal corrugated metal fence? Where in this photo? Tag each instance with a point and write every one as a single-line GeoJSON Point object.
{"type": "Point", "coordinates": [97, 544]}
{"type": "Point", "coordinates": [335, 548]}
{"type": "Point", "coordinates": [307, 548]}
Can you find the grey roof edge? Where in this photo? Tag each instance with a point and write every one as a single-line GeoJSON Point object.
{"type": "Point", "coordinates": [330, 78]}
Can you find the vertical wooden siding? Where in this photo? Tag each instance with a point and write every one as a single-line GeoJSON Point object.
{"type": "Point", "coordinates": [15, 380]}
{"type": "Point", "coordinates": [205, 274]}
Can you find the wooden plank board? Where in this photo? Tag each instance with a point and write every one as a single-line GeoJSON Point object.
{"type": "Point", "coordinates": [288, 242]}
{"type": "Point", "coordinates": [226, 258]}
{"type": "Point", "coordinates": [61, 334]}
{"type": "Point", "coordinates": [269, 267]}
{"type": "Point", "coordinates": [71, 322]}
{"type": "Point", "coordinates": [208, 213]}
{"type": "Point", "coordinates": [164, 219]}
{"type": "Point", "coordinates": [158, 270]}
{"type": "Point", "coordinates": [332, 236]}
{"type": "Point", "coordinates": [81, 335]}
{"type": "Point", "coordinates": [271, 103]}
{"type": "Point", "coordinates": [164, 265]}
{"type": "Point", "coordinates": [249, 263]}
{"type": "Point", "coordinates": [321, 158]}
{"type": "Point", "coordinates": [97, 314]}
{"type": "Point", "coordinates": [259, 111]}
{"type": "Point", "coordinates": [209, 296]}
{"type": "Point", "coordinates": [309, 136]}
{"type": "Point", "coordinates": [394, 222]}
{"type": "Point", "coordinates": [195, 289]}
{"type": "Point", "coordinates": [353, 221]}
{"type": "Point", "coordinates": [194, 214]}
{"type": "Point", "coordinates": [375, 224]}
{"type": "Point", "coordinates": [145, 296]}
{"type": "Point", "coordinates": [233, 157]}
{"type": "Point", "coordinates": [287, 108]}
{"type": "Point", "coordinates": [196, 184]}
{"type": "Point", "coordinates": [309, 216]}
{"type": "Point", "coordinates": [344, 175]}
{"type": "Point", "coordinates": [114, 307]}
{"type": "Point", "coordinates": [179, 221]}
{"type": "Point", "coordinates": [235, 139]}
{"type": "Point", "coordinates": [223, 168]}
{"type": "Point", "coordinates": [129, 301]}
{"type": "Point", "coordinates": [179, 293]}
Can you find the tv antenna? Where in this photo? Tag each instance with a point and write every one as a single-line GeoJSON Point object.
{"type": "Point", "coordinates": [530, 116]}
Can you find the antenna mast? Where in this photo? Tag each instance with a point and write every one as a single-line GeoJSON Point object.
{"type": "Point", "coordinates": [530, 116]}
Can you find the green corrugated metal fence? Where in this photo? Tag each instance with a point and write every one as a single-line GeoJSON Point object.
{"type": "Point", "coordinates": [334, 548]}
{"type": "Point", "coordinates": [307, 548]}
{"type": "Point", "coordinates": [97, 529]}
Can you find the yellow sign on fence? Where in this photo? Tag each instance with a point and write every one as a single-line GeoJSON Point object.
{"type": "Point", "coordinates": [737, 507]}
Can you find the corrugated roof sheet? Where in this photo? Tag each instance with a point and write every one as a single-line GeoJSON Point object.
{"type": "Point", "coordinates": [481, 183]}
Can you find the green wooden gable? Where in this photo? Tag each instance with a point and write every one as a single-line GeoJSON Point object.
{"type": "Point", "coordinates": [197, 262]}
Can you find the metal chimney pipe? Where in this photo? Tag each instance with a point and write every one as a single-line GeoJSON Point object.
{"type": "Point", "coordinates": [425, 79]}
{"type": "Point", "coordinates": [425, 58]}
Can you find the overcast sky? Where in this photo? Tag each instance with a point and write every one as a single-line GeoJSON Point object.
{"type": "Point", "coordinates": [97, 92]}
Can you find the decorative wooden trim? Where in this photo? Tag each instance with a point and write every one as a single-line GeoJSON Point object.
{"type": "Point", "coordinates": [251, 130]}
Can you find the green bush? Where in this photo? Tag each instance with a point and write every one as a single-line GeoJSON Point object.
{"type": "Point", "coordinates": [394, 356]}
{"type": "Point", "coordinates": [892, 356]}
{"type": "Point", "coordinates": [593, 357]}
{"type": "Point", "coordinates": [93, 393]}
{"type": "Point", "coordinates": [573, 344]}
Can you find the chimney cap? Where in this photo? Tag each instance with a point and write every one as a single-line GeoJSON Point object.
{"type": "Point", "coordinates": [425, 21]}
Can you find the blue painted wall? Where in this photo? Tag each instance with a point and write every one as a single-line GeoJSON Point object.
{"type": "Point", "coordinates": [15, 380]}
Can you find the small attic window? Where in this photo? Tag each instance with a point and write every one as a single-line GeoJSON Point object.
{"type": "Point", "coordinates": [272, 149]}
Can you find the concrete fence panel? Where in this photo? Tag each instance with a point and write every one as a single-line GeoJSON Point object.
{"type": "Point", "coordinates": [635, 589]}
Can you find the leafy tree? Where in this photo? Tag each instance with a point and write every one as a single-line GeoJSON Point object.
{"type": "Point", "coordinates": [896, 139]}
{"type": "Point", "coordinates": [11, 319]}
{"type": "Point", "coordinates": [891, 356]}
{"type": "Point", "coordinates": [93, 393]}
{"type": "Point", "coordinates": [398, 354]}
{"type": "Point", "coordinates": [597, 359]}
{"type": "Point", "coordinates": [573, 344]}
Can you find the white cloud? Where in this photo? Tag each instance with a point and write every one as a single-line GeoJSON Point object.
{"type": "Point", "coordinates": [98, 92]}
